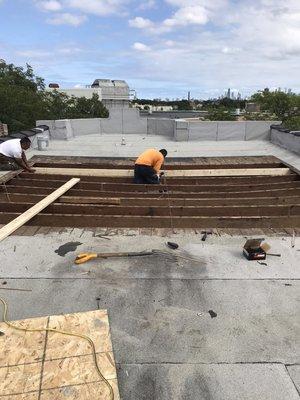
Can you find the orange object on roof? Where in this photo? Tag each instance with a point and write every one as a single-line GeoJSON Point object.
{"type": "Point", "coordinates": [153, 158]}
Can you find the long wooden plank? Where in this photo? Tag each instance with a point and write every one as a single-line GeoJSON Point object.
{"type": "Point", "coordinates": [146, 201]}
{"type": "Point", "coordinates": [204, 180]}
{"type": "Point", "coordinates": [27, 215]}
{"type": "Point", "coordinates": [6, 176]}
{"type": "Point", "coordinates": [168, 167]}
{"type": "Point", "coordinates": [156, 194]}
{"type": "Point", "coordinates": [183, 173]}
{"type": "Point", "coordinates": [188, 211]}
{"type": "Point", "coordinates": [118, 221]}
{"type": "Point", "coordinates": [130, 187]}
{"type": "Point", "coordinates": [170, 160]}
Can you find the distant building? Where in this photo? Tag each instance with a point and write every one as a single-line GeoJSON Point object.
{"type": "Point", "coordinates": [252, 108]}
{"type": "Point", "coordinates": [112, 93]}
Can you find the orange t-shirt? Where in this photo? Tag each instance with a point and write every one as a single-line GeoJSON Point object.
{"type": "Point", "coordinates": [153, 158]}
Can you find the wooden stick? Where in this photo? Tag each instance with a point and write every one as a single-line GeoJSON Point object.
{"type": "Point", "coordinates": [171, 173]}
{"type": "Point", "coordinates": [89, 200]}
{"type": "Point", "coordinates": [20, 290]}
{"type": "Point", "coordinates": [27, 215]}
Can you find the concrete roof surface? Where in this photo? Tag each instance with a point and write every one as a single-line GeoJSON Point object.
{"type": "Point", "coordinates": [218, 328]}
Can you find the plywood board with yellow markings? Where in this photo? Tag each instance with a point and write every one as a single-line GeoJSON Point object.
{"type": "Point", "coordinates": [52, 366]}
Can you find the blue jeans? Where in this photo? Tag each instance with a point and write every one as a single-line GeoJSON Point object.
{"type": "Point", "coordinates": [143, 174]}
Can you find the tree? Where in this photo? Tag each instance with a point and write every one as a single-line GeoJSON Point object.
{"type": "Point", "coordinates": [278, 103]}
{"type": "Point", "coordinates": [24, 100]}
{"type": "Point", "coordinates": [293, 123]}
{"type": "Point", "coordinates": [21, 97]}
{"type": "Point", "coordinates": [220, 114]}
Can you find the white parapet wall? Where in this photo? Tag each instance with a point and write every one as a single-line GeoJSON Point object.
{"type": "Point", "coordinates": [287, 140]}
{"type": "Point", "coordinates": [128, 121]}
{"type": "Point", "coordinates": [222, 130]}
{"type": "Point", "coordinates": [120, 121]}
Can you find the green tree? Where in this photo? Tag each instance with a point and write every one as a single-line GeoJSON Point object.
{"type": "Point", "coordinates": [293, 123]}
{"type": "Point", "coordinates": [220, 114]}
{"type": "Point", "coordinates": [21, 97]}
{"type": "Point", "coordinates": [278, 103]}
{"type": "Point", "coordinates": [24, 100]}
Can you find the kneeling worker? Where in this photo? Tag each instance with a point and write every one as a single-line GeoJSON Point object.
{"type": "Point", "coordinates": [147, 166]}
{"type": "Point", "coordinates": [12, 155]}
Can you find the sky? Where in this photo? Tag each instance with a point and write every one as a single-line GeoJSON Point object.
{"type": "Point", "coordinates": [163, 49]}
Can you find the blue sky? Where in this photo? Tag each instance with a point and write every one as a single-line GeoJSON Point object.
{"type": "Point", "coordinates": [161, 48]}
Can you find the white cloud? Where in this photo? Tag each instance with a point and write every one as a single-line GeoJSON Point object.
{"type": "Point", "coordinates": [141, 47]}
{"type": "Point", "coordinates": [188, 12]}
{"type": "Point", "coordinates": [49, 5]}
{"type": "Point", "coordinates": [141, 23]}
{"type": "Point", "coordinates": [39, 54]}
{"type": "Point", "coordinates": [34, 54]}
{"type": "Point", "coordinates": [97, 7]}
{"type": "Point", "coordinates": [67, 19]}
{"type": "Point", "coordinates": [230, 51]}
{"type": "Point", "coordinates": [188, 15]}
{"type": "Point", "coordinates": [170, 43]}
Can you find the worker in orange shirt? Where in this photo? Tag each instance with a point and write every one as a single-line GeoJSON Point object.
{"type": "Point", "coordinates": [147, 166]}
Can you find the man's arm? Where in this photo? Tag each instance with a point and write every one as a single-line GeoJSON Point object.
{"type": "Point", "coordinates": [22, 162]}
{"type": "Point", "coordinates": [158, 165]}
{"type": "Point", "coordinates": [24, 159]}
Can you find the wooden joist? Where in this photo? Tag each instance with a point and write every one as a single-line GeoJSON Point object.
{"type": "Point", "coordinates": [204, 180]}
{"type": "Point", "coordinates": [155, 211]}
{"type": "Point", "coordinates": [221, 194]}
{"type": "Point", "coordinates": [156, 194]}
{"type": "Point", "coordinates": [130, 187]}
{"type": "Point", "coordinates": [154, 202]}
{"type": "Point", "coordinates": [177, 173]}
{"type": "Point", "coordinates": [124, 221]}
{"type": "Point", "coordinates": [27, 215]}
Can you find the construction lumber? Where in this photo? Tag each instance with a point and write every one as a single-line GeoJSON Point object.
{"type": "Point", "coordinates": [130, 187]}
{"type": "Point", "coordinates": [146, 201]}
{"type": "Point", "coordinates": [34, 365]}
{"type": "Point", "coordinates": [117, 221]}
{"type": "Point", "coordinates": [167, 166]}
{"type": "Point", "coordinates": [89, 200]}
{"type": "Point", "coordinates": [164, 211]}
{"type": "Point", "coordinates": [27, 215]}
{"type": "Point", "coordinates": [155, 193]}
{"type": "Point", "coordinates": [174, 181]}
{"type": "Point", "coordinates": [176, 173]}
{"type": "Point", "coordinates": [6, 176]}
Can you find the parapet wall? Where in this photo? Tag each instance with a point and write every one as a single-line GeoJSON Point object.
{"type": "Point", "coordinates": [128, 121]}
{"type": "Point", "coordinates": [222, 130]}
{"type": "Point", "coordinates": [287, 140]}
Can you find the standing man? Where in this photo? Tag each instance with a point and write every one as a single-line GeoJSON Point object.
{"type": "Point", "coordinates": [148, 165]}
{"type": "Point", "coordinates": [12, 155]}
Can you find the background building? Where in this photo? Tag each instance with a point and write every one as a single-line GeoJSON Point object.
{"type": "Point", "coordinates": [112, 93]}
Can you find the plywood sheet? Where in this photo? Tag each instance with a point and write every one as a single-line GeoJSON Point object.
{"type": "Point", "coordinates": [79, 392]}
{"type": "Point", "coordinates": [17, 347]}
{"type": "Point", "coordinates": [93, 324]}
{"type": "Point", "coordinates": [36, 365]}
{"type": "Point", "coordinates": [21, 379]}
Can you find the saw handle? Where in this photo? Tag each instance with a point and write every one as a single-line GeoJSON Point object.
{"type": "Point", "coordinates": [85, 257]}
